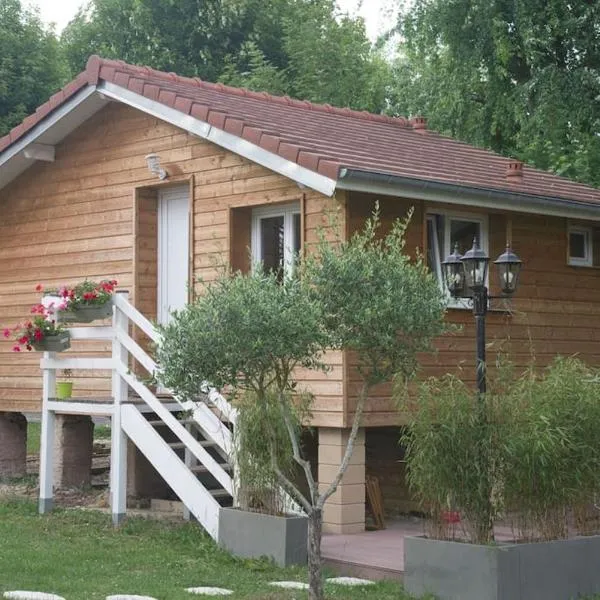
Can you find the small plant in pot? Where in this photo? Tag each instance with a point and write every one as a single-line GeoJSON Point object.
{"type": "Point", "coordinates": [260, 434]}
{"type": "Point", "coordinates": [64, 386]}
{"type": "Point", "coordinates": [526, 452]}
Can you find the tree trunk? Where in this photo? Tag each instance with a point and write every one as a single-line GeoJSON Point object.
{"type": "Point", "coordinates": [315, 563]}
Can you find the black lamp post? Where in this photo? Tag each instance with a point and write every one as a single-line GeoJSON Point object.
{"type": "Point", "coordinates": [469, 272]}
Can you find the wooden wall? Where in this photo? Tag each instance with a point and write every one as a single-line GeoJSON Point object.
{"type": "Point", "coordinates": [80, 216]}
{"type": "Point", "coordinates": [555, 310]}
{"type": "Point", "coordinates": [91, 213]}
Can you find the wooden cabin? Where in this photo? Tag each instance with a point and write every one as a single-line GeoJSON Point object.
{"type": "Point", "coordinates": [239, 169]}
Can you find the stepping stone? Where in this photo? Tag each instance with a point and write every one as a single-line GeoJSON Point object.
{"type": "Point", "coordinates": [129, 597]}
{"type": "Point", "coordinates": [351, 581]}
{"type": "Point", "coordinates": [22, 595]}
{"type": "Point", "coordinates": [209, 591]}
{"type": "Point", "coordinates": [290, 585]}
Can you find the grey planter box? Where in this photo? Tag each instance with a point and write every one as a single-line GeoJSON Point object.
{"type": "Point", "coordinates": [86, 314]}
{"type": "Point", "coordinates": [54, 343]}
{"type": "Point", "coordinates": [252, 535]}
{"type": "Point", "coordinates": [558, 570]}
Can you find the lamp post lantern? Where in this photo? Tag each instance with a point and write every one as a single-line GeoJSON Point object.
{"type": "Point", "coordinates": [469, 273]}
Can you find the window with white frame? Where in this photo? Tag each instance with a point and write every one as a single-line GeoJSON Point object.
{"type": "Point", "coordinates": [276, 238]}
{"type": "Point", "coordinates": [444, 231]}
{"type": "Point", "coordinates": [580, 246]}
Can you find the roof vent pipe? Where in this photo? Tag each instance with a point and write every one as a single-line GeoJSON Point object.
{"type": "Point", "coordinates": [419, 124]}
{"type": "Point", "coordinates": [514, 171]}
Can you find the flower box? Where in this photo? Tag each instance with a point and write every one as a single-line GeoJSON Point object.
{"type": "Point", "coordinates": [53, 343]}
{"type": "Point", "coordinates": [86, 314]}
{"type": "Point", "coordinates": [252, 535]}
{"type": "Point", "coordinates": [554, 570]}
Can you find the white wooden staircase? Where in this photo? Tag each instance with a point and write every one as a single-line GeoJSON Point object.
{"type": "Point", "coordinates": [198, 465]}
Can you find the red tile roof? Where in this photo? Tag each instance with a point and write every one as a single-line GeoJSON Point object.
{"type": "Point", "coordinates": [321, 138]}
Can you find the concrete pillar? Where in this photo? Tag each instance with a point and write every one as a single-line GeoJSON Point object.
{"type": "Point", "coordinates": [345, 510]}
{"type": "Point", "coordinates": [73, 447]}
{"type": "Point", "coordinates": [13, 444]}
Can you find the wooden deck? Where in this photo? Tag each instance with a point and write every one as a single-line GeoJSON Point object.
{"type": "Point", "coordinates": [379, 554]}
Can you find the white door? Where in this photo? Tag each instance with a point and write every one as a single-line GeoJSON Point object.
{"type": "Point", "coordinates": [173, 250]}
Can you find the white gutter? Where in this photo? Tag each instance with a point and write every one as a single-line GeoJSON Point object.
{"type": "Point", "coordinates": [43, 126]}
{"type": "Point", "coordinates": [448, 193]}
{"type": "Point", "coordinates": [204, 130]}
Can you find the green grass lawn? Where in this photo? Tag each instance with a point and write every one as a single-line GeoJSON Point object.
{"type": "Point", "coordinates": [34, 431]}
{"type": "Point", "coordinates": [78, 554]}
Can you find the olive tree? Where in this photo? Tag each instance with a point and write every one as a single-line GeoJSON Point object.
{"type": "Point", "coordinates": [249, 333]}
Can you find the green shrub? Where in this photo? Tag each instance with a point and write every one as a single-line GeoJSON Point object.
{"type": "Point", "coordinates": [528, 450]}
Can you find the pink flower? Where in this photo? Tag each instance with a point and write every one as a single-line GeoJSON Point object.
{"type": "Point", "coordinates": [16, 349]}
{"type": "Point", "coordinates": [6, 333]}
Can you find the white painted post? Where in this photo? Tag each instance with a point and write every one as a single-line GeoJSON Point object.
{"type": "Point", "coordinates": [118, 448]}
{"type": "Point", "coordinates": [47, 441]}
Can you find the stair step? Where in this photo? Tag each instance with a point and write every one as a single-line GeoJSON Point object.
{"type": "Point", "coordinates": [219, 493]}
{"type": "Point", "coordinates": [203, 469]}
{"type": "Point", "coordinates": [181, 445]}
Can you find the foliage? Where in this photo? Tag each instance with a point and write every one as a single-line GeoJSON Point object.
{"type": "Point", "coordinates": [377, 301]}
{"type": "Point", "coordinates": [35, 329]}
{"type": "Point", "coordinates": [518, 77]}
{"type": "Point", "coordinates": [88, 293]}
{"type": "Point", "coordinates": [454, 453]}
{"type": "Point", "coordinates": [528, 450]}
{"type": "Point", "coordinates": [260, 432]}
{"type": "Point", "coordinates": [31, 65]}
{"type": "Point", "coordinates": [303, 48]}
{"type": "Point", "coordinates": [552, 450]}
{"type": "Point", "coordinates": [247, 332]}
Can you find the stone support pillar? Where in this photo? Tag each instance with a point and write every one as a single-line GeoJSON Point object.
{"type": "Point", "coordinates": [73, 447]}
{"type": "Point", "coordinates": [345, 510]}
{"type": "Point", "coordinates": [13, 444]}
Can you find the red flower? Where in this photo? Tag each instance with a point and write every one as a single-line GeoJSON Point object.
{"type": "Point", "coordinates": [23, 340]}
{"type": "Point", "coordinates": [64, 292]}
{"type": "Point", "coordinates": [38, 309]}
{"type": "Point", "coordinates": [38, 335]}
{"type": "Point", "coordinates": [39, 287]}
{"type": "Point", "coordinates": [6, 333]}
{"type": "Point", "coordinates": [16, 349]}
{"type": "Point", "coordinates": [29, 347]}
{"type": "Point", "coordinates": [89, 296]}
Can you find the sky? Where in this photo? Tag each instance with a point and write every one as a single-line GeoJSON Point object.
{"type": "Point", "coordinates": [61, 12]}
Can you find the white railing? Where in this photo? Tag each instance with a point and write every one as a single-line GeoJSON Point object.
{"type": "Point", "coordinates": [127, 421]}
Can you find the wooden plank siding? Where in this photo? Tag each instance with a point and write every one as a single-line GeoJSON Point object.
{"type": "Point", "coordinates": [555, 310]}
{"type": "Point", "coordinates": [92, 213]}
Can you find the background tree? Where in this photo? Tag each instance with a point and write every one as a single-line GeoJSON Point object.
{"type": "Point", "coordinates": [519, 77]}
{"type": "Point", "coordinates": [304, 48]}
{"type": "Point", "coordinates": [31, 67]}
{"type": "Point", "coordinates": [249, 332]}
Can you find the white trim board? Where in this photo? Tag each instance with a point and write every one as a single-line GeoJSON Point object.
{"type": "Point", "coordinates": [571, 209]}
{"type": "Point", "coordinates": [236, 144]}
{"type": "Point", "coordinates": [49, 131]}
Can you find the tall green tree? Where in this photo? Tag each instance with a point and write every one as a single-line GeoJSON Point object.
{"type": "Point", "coordinates": [248, 333]}
{"type": "Point", "coordinates": [304, 48]}
{"type": "Point", "coordinates": [31, 65]}
{"type": "Point", "coordinates": [518, 76]}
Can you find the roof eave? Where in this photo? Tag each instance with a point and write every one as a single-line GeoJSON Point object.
{"type": "Point", "coordinates": [452, 193]}
{"type": "Point", "coordinates": [236, 144]}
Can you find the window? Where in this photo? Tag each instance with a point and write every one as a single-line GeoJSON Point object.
{"type": "Point", "coordinates": [580, 246]}
{"type": "Point", "coordinates": [276, 238]}
{"type": "Point", "coordinates": [444, 230]}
